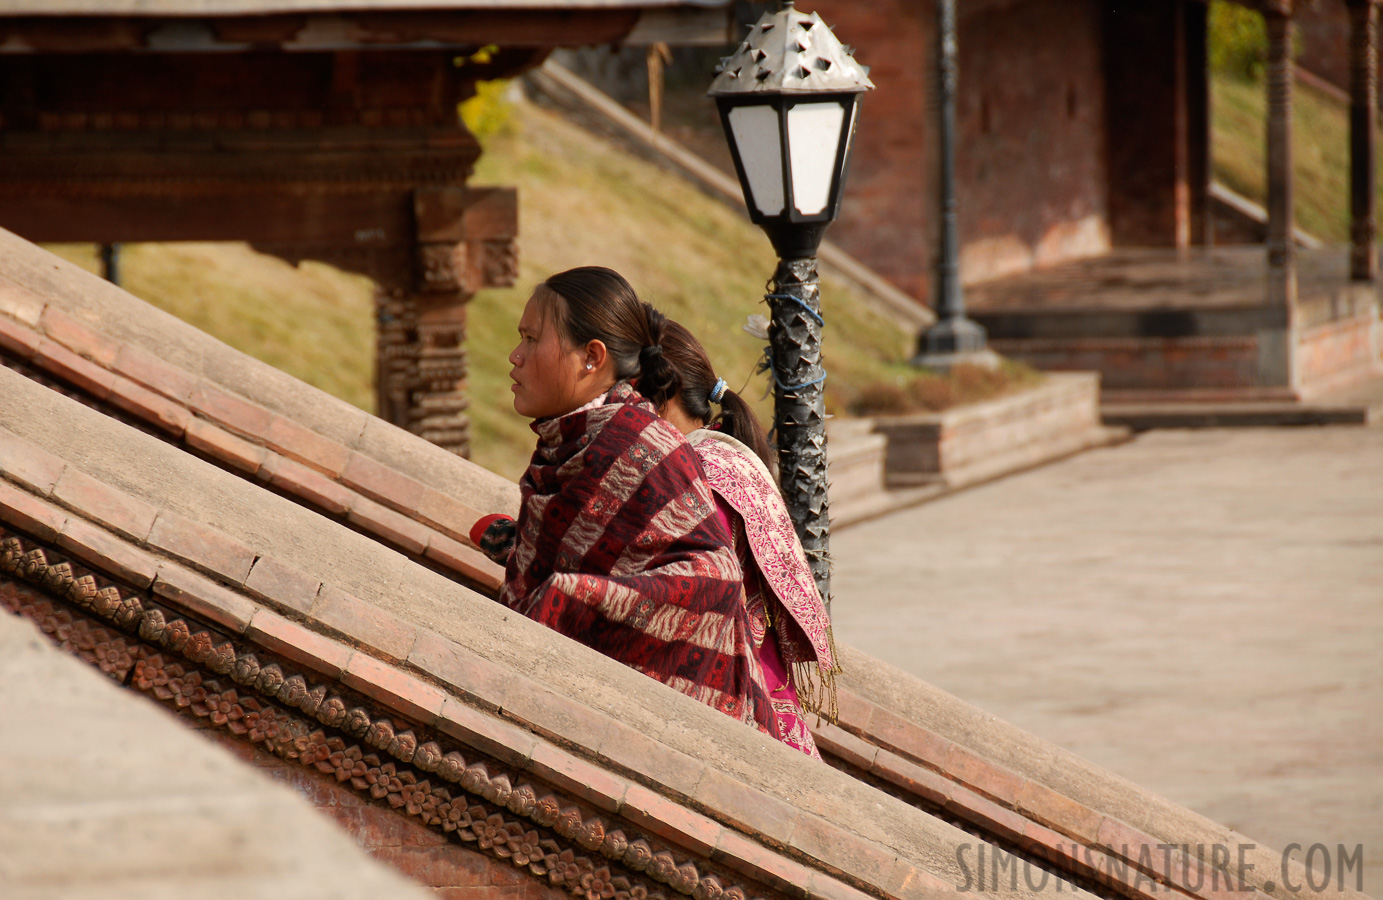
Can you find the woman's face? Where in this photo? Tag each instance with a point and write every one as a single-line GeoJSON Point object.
{"type": "Point", "coordinates": [549, 377]}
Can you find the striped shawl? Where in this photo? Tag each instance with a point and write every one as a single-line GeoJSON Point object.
{"type": "Point", "coordinates": [618, 547]}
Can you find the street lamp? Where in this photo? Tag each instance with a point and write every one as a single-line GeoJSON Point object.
{"type": "Point", "coordinates": [787, 98]}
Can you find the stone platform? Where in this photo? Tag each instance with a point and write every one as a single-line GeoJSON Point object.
{"type": "Point", "coordinates": [1360, 403]}
{"type": "Point", "coordinates": [891, 462]}
{"type": "Point", "coordinates": [1163, 326]}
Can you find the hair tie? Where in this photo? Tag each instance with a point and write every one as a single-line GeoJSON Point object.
{"type": "Point", "coordinates": [650, 351]}
{"type": "Point", "coordinates": [718, 392]}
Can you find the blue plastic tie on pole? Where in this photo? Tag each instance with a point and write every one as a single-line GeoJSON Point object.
{"type": "Point", "coordinates": [800, 302]}
{"type": "Point", "coordinates": [796, 387]}
{"type": "Point", "coordinates": [767, 362]}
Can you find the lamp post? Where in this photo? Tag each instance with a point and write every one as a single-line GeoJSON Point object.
{"type": "Point", "coordinates": [954, 337]}
{"type": "Point", "coordinates": [787, 98]}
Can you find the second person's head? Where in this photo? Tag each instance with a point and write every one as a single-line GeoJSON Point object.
{"type": "Point", "coordinates": [693, 405]}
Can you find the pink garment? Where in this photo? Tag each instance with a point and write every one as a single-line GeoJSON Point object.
{"type": "Point", "coordinates": [792, 723]}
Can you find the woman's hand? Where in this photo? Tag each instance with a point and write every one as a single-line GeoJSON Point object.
{"type": "Point", "coordinates": [494, 536]}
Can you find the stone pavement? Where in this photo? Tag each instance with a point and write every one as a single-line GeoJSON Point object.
{"type": "Point", "coordinates": [1199, 611]}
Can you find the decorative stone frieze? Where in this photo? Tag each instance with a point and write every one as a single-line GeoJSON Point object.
{"type": "Point", "coordinates": [244, 692]}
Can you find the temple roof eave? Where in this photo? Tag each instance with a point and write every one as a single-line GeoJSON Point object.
{"type": "Point", "coordinates": [35, 26]}
{"type": "Point", "coordinates": [218, 8]}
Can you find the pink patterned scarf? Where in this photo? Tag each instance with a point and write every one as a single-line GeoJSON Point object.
{"type": "Point", "coordinates": [794, 610]}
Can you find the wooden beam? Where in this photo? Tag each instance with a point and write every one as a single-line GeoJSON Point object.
{"type": "Point", "coordinates": [451, 214]}
{"type": "Point", "coordinates": [276, 215]}
{"type": "Point", "coordinates": [402, 30]}
{"type": "Point", "coordinates": [1363, 140]}
{"type": "Point", "coordinates": [1282, 281]}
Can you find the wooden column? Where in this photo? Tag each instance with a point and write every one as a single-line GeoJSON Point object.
{"type": "Point", "coordinates": [1197, 104]}
{"type": "Point", "coordinates": [464, 241]}
{"type": "Point", "coordinates": [1363, 117]}
{"type": "Point", "coordinates": [1282, 276]}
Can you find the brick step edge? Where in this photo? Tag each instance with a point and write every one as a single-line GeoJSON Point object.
{"type": "Point", "coordinates": [1145, 417]}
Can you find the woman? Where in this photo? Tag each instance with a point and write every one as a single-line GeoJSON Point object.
{"type": "Point", "coordinates": [789, 623]}
{"type": "Point", "coordinates": [617, 544]}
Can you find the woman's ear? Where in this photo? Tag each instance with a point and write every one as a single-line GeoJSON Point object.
{"type": "Point", "coordinates": [596, 355]}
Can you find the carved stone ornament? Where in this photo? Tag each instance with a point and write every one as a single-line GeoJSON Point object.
{"type": "Point", "coordinates": [200, 674]}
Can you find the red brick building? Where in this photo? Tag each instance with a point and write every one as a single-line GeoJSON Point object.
{"type": "Point", "coordinates": [1083, 148]}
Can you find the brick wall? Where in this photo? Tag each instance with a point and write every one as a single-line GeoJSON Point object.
{"type": "Point", "coordinates": [1147, 363]}
{"type": "Point", "coordinates": [1338, 350]}
{"type": "Point", "coordinates": [451, 869]}
{"type": "Point", "coordinates": [1030, 143]}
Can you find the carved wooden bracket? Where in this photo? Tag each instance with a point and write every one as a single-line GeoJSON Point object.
{"type": "Point", "coordinates": [467, 238]}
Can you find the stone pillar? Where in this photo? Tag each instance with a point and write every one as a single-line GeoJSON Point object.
{"type": "Point", "coordinates": [1363, 117]}
{"type": "Point", "coordinates": [1282, 276]}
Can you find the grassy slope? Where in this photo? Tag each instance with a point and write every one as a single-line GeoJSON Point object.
{"type": "Point", "coordinates": [314, 322]}
{"type": "Point", "coordinates": [1320, 147]}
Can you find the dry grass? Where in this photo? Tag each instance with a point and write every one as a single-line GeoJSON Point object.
{"type": "Point", "coordinates": [929, 392]}
{"type": "Point", "coordinates": [314, 322]}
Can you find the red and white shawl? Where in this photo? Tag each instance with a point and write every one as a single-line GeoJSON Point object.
{"type": "Point", "coordinates": [618, 546]}
{"type": "Point", "coordinates": [800, 619]}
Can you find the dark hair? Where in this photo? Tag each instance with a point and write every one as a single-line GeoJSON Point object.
{"type": "Point", "coordinates": [736, 419]}
{"type": "Point", "coordinates": [593, 303]}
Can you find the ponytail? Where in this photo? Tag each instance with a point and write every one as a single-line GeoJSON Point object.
{"type": "Point", "coordinates": [738, 420]}
{"type": "Point", "coordinates": [659, 381]}
{"type": "Point", "coordinates": [701, 391]}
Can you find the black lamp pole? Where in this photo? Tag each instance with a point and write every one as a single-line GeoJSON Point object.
{"type": "Point", "coordinates": [799, 408]}
{"type": "Point", "coordinates": [787, 98]}
{"type": "Point", "coordinates": [953, 336]}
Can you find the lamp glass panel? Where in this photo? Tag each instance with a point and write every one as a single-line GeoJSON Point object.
{"type": "Point", "coordinates": [813, 136]}
{"type": "Point", "coordinates": [755, 130]}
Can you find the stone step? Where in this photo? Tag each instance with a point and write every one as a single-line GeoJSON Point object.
{"type": "Point", "coordinates": [1357, 403]}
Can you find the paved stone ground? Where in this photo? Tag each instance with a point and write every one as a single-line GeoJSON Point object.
{"type": "Point", "coordinates": [1198, 611]}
